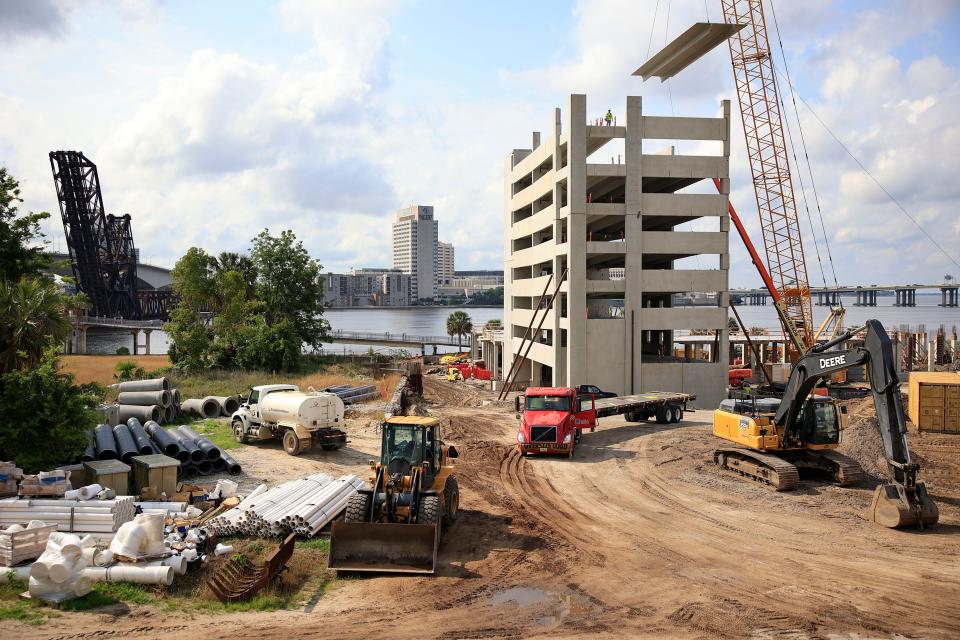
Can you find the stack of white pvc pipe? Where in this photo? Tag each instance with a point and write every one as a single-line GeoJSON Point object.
{"type": "Point", "coordinates": [58, 574]}
{"type": "Point", "coordinates": [79, 516]}
{"type": "Point", "coordinates": [302, 506]}
{"type": "Point", "coordinates": [318, 510]}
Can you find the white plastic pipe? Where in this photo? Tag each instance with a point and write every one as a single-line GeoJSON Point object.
{"type": "Point", "coordinates": [223, 549]}
{"type": "Point", "coordinates": [139, 574]}
{"type": "Point", "coordinates": [19, 573]}
{"type": "Point", "coordinates": [178, 563]}
{"type": "Point", "coordinates": [166, 506]}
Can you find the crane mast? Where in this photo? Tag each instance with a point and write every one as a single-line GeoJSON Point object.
{"type": "Point", "coordinates": [767, 151]}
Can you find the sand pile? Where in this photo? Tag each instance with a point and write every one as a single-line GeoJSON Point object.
{"type": "Point", "coordinates": [861, 441]}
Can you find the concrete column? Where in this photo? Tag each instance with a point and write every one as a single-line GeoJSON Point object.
{"type": "Point", "coordinates": [136, 339]}
{"type": "Point", "coordinates": [576, 241]}
{"type": "Point", "coordinates": [146, 333]}
{"type": "Point", "coordinates": [83, 341]}
{"type": "Point", "coordinates": [633, 225]}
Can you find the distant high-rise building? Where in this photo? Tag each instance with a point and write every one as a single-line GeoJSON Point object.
{"type": "Point", "coordinates": [415, 238]}
{"type": "Point", "coordinates": [444, 263]}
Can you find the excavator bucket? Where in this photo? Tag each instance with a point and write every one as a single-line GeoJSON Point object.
{"type": "Point", "coordinates": [897, 507]}
{"type": "Point", "coordinates": [380, 546]}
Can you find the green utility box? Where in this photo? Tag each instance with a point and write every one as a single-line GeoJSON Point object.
{"type": "Point", "coordinates": [109, 474]}
{"type": "Point", "coordinates": [158, 471]}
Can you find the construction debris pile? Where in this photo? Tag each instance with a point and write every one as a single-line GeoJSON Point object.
{"type": "Point", "coordinates": [302, 507]}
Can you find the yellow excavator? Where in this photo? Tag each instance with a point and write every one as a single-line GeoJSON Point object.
{"type": "Point", "coordinates": [395, 525]}
{"type": "Point", "coordinates": [775, 437]}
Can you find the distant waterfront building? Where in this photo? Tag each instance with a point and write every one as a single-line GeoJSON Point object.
{"type": "Point", "coordinates": [445, 264]}
{"type": "Point", "coordinates": [368, 288]}
{"type": "Point", "coordinates": [415, 240]}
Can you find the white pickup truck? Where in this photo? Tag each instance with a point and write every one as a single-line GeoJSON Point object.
{"type": "Point", "coordinates": [299, 420]}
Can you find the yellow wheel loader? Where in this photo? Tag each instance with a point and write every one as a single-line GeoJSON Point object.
{"type": "Point", "coordinates": [775, 437]}
{"type": "Point", "coordinates": [395, 525]}
{"type": "Point", "coordinates": [454, 375]}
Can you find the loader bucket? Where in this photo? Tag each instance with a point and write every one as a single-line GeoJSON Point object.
{"type": "Point", "coordinates": [390, 547]}
{"type": "Point", "coordinates": [897, 507]}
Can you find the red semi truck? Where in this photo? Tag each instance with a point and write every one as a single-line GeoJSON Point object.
{"type": "Point", "coordinates": [553, 418]}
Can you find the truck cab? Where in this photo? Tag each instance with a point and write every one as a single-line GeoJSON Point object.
{"type": "Point", "coordinates": [552, 419]}
{"type": "Point", "coordinates": [251, 415]}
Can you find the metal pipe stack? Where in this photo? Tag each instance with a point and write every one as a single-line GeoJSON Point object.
{"type": "Point", "coordinates": [148, 400]}
{"type": "Point", "coordinates": [353, 395]}
{"type": "Point", "coordinates": [77, 516]}
{"type": "Point", "coordinates": [300, 506]}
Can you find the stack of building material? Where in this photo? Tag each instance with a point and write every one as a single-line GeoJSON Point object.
{"type": "Point", "coordinates": [354, 395]}
{"type": "Point", "coordinates": [46, 483]}
{"type": "Point", "coordinates": [99, 517]}
{"type": "Point", "coordinates": [300, 506]}
{"type": "Point", "coordinates": [21, 542]}
{"type": "Point", "coordinates": [10, 475]}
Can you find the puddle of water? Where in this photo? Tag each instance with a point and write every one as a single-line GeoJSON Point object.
{"type": "Point", "coordinates": [523, 596]}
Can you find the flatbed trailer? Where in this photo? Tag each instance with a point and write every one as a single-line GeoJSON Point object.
{"type": "Point", "coordinates": [665, 406]}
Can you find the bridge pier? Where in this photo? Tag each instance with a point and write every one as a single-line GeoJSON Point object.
{"type": "Point", "coordinates": [757, 299]}
{"type": "Point", "coordinates": [136, 340]}
{"type": "Point", "coordinates": [828, 298]}
{"type": "Point", "coordinates": [949, 296]}
{"type": "Point", "coordinates": [866, 298]}
{"type": "Point", "coordinates": [76, 342]}
{"type": "Point", "coordinates": [906, 298]}
{"type": "Point", "coordinates": [146, 344]}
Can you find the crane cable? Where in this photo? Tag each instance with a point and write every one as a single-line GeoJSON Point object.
{"type": "Point", "coordinates": [803, 143]}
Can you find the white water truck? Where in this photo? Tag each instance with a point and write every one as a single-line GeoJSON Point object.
{"type": "Point", "coordinates": [299, 420]}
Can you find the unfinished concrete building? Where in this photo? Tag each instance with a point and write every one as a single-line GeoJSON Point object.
{"type": "Point", "coordinates": [608, 205]}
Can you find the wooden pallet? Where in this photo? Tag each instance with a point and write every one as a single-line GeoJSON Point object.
{"type": "Point", "coordinates": [23, 545]}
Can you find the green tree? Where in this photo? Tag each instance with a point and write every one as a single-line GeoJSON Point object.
{"type": "Point", "coordinates": [193, 280]}
{"type": "Point", "coordinates": [289, 285]}
{"type": "Point", "coordinates": [190, 339]}
{"type": "Point", "coordinates": [46, 418]}
{"type": "Point", "coordinates": [32, 319]}
{"type": "Point", "coordinates": [490, 297]}
{"type": "Point", "coordinates": [229, 261]}
{"type": "Point", "coordinates": [21, 248]}
{"type": "Point", "coordinates": [459, 324]}
{"type": "Point", "coordinates": [275, 347]}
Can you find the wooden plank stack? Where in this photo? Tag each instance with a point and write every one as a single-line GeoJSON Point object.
{"type": "Point", "coordinates": [23, 545]}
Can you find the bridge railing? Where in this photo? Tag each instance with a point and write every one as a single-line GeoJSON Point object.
{"type": "Point", "coordinates": [120, 322]}
{"type": "Point", "coordinates": [339, 334]}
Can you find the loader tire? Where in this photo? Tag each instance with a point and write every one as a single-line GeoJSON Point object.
{"type": "Point", "coordinates": [429, 510]}
{"type": "Point", "coordinates": [358, 508]}
{"type": "Point", "coordinates": [451, 498]}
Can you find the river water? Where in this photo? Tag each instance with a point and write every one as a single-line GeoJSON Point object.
{"type": "Point", "coordinates": [432, 321]}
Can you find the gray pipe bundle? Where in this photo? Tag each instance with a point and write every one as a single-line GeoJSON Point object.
{"type": "Point", "coordinates": [204, 467]}
{"type": "Point", "coordinates": [144, 445]}
{"type": "Point", "coordinates": [195, 455]}
{"type": "Point", "coordinates": [170, 414]}
{"type": "Point", "coordinates": [188, 469]}
{"type": "Point", "coordinates": [176, 396]}
{"type": "Point", "coordinates": [205, 408]}
{"type": "Point", "coordinates": [155, 384]}
{"type": "Point", "coordinates": [169, 444]}
{"type": "Point", "coordinates": [126, 447]}
{"type": "Point", "coordinates": [90, 453]}
{"type": "Point", "coordinates": [228, 404]}
{"type": "Point", "coordinates": [141, 413]}
{"type": "Point", "coordinates": [146, 398]}
{"type": "Point", "coordinates": [233, 467]}
{"type": "Point", "coordinates": [210, 450]}
{"type": "Point", "coordinates": [104, 442]}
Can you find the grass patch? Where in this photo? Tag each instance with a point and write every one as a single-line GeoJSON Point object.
{"type": "Point", "coordinates": [320, 544]}
{"type": "Point", "coordinates": [32, 612]}
{"type": "Point", "coordinates": [217, 431]}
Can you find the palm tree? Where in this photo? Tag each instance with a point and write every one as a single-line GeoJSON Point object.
{"type": "Point", "coordinates": [459, 324]}
{"type": "Point", "coordinates": [230, 261]}
{"type": "Point", "coordinates": [33, 317]}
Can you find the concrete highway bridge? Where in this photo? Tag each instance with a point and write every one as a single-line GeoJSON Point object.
{"type": "Point", "coordinates": [866, 294]}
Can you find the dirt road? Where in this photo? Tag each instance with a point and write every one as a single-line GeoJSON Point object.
{"type": "Point", "coordinates": [638, 535]}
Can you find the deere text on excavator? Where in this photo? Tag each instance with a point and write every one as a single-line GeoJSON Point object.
{"type": "Point", "coordinates": [775, 437]}
{"type": "Point", "coordinates": [395, 525]}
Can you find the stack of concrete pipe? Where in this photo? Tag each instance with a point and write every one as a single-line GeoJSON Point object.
{"type": "Point", "coordinates": [212, 406]}
{"type": "Point", "coordinates": [300, 506]}
{"type": "Point", "coordinates": [148, 400]}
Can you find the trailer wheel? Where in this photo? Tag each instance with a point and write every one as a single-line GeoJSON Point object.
{"type": "Point", "coordinates": [239, 433]}
{"type": "Point", "coordinates": [429, 510]}
{"type": "Point", "coordinates": [451, 496]}
{"type": "Point", "coordinates": [663, 414]}
{"type": "Point", "coordinates": [676, 414]}
{"type": "Point", "coordinates": [358, 508]}
{"type": "Point", "coordinates": [291, 443]}
{"type": "Point", "coordinates": [632, 416]}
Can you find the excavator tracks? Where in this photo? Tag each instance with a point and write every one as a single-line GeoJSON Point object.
{"type": "Point", "coordinates": [845, 471]}
{"type": "Point", "coordinates": [771, 470]}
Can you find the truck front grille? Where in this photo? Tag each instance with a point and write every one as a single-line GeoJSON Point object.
{"type": "Point", "coordinates": [543, 434]}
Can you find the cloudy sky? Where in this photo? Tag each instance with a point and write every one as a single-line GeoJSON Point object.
{"type": "Point", "coordinates": [210, 121]}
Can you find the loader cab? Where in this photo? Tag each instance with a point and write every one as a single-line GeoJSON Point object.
{"type": "Point", "coordinates": [409, 442]}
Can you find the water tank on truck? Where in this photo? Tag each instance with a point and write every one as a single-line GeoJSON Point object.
{"type": "Point", "coordinates": [300, 420]}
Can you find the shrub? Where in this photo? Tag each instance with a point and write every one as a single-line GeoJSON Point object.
{"type": "Point", "coordinates": [46, 417]}
{"type": "Point", "coordinates": [123, 351]}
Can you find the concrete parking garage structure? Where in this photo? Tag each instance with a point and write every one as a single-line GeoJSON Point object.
{"type": "Point", "coordinates": [570, 205]}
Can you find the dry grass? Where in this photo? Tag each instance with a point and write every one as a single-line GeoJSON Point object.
{"type": "Point", "coordinates": [101, 368]}
{"type": "Point", "coordinates": [387, 385]}
{"type": "Point", "coordinates": [324, 379]}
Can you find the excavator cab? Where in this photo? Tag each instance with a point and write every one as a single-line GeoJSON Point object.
{"type": "Point", "coordinates": [820, 422]}
{"type": "Point", "coordinates": [395, 525]}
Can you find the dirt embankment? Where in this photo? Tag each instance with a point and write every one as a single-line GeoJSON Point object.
{"type": "Point", "coordinates": [639, 535]}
